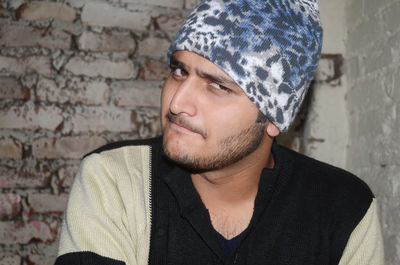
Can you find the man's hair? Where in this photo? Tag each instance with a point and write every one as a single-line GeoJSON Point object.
{"type": "Point", "coordinates": [261, 118]}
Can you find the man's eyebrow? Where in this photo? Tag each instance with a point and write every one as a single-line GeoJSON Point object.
{"type": "Point", "coordinates": [219, 79]}
{"type": "Point", "coordinates": [175, 62]}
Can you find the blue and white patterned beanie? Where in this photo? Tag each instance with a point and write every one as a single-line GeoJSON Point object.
{"type": "Point", "coordinates": [270, 48]}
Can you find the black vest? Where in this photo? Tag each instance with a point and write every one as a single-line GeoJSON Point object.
{"type": "Point", "coordinates": [304, 213]}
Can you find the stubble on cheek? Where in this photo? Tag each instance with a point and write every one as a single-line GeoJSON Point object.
{"type": "Point", "coordinates": [227, 151]}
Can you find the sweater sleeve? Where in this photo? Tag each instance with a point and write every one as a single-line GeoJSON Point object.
{"type": "Point", "coordinates": [106, 220]}
{"type": "Point", "coordinates": [365, 246]}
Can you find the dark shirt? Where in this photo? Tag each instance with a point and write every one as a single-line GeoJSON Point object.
{"type": "Point", "coordinates": [228, 245]}
{"type": "Point", "coordinates": [304, 213]}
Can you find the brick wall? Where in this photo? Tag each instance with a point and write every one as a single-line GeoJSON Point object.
{"type": "Point", "coordinates": [75, 75]}
{"type": "Point", "coordinates": [373, 70]}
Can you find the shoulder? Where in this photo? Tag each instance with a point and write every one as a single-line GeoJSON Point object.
{"type": "Point", "coordinates": [114, 184]}
{"type": "Point", "coordinates": [118, 146]}
{"type": "Point", "coordinates": [324, 178]}
{"type": "Point", "coordinates": [119, 163]}
{"type": "Point", "coordinates": [340, 195]}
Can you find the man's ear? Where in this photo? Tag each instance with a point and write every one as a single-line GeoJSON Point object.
{"type": "Point", "coordinates": [272, 130]}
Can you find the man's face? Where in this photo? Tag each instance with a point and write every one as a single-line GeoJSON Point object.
{"type": "Point", "coordinates": [208, 121]}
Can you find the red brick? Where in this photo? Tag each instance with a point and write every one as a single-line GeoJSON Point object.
{"type": "Point", "coordinates": [75, 29]}
{"type": "Point", "coordinates": [24, 178]}
{"type": "Point", "coordinates": [100, 67]}
{"type": "Point", "coordinates": [66, 175]}
{"type": "Point", "coordinates": [10, 205]}
{"type": "Point", "coordinates": [23, 36]}
{"type": "Point", "coordinates": [155, 48]}
{"type": "Point", "coordinates": [16, 232]}
{"type": "Point", "coordinates": [48, 203]}
{"type": "Point", "coordinates": [41, 260]}
{"type": "Point", "coordinates": [96, 119]}
{"type": "Point", "coordinates": [107, 15]}
{"type": "Point", "coordinates": [170, 24]}
{"type": "Point", "coordinates": [31, 117]}
{"type": "Point", "coordinates": [11, 149]}
{"type": "Point", "coordinates": [154, 70]}
{"type": "Point", "coordinates": [41, 10]}
{"type": "Point", "coordinates": [74, 92]}
{"type": "Point", "coordinates": [163, 3]}
{"type": "Point", "coordinates": [190, 4]}
{"type": "Point", "coordinates": [107, 42]}
{"type": "Point", "coordinates": [10, 88]}
{"type": "Point", "coordinates": [65, 147]}
{"type": "Point", "coordinates": [148, 122]}
{"type": "Point", "coordinates": [137, 93]}
{"type": "Point", "coordinates": [25, 65]}
{"type": "Point", "coordinates": [10, 259]}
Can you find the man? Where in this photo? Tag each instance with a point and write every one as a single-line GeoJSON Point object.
{"type": "Point", "coordinates": [216, 188]}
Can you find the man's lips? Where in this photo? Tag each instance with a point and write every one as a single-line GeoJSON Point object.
{"type": "Point", "coordinates": [176, 125]}
{"type": "Point", "coordinates": [184, 124]}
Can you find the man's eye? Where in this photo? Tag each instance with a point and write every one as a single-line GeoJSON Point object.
{"type": "Point", "coordinates": [177, 71]}
{"type": "Point", "coordinates": [219, 87]}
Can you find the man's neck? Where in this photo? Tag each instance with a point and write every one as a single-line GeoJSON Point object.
{"type": "Point", "coordinates": [229, 193]}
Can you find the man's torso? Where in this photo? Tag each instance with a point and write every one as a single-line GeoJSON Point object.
{"type": "Point", "coordinates": [304, 212]}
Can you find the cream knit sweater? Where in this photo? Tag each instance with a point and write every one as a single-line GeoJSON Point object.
{"type": "Point", "coordinates": [109, 212]}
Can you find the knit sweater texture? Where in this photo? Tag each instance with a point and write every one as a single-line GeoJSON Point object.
{"type": "Point", "coordinates": [130, 205]}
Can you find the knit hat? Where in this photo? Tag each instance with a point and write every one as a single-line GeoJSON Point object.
{"type": "Point", "coordinates": [270, 48]}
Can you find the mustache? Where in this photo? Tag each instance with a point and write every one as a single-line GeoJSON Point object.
{"type": "Point", "coordinates": [185, 124]}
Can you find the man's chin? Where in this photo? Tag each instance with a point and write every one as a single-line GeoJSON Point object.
{"type": "Point", "coordinates": [173, 145]}
{"type": "Point", "coordinates": [185, 162]}
{"type": "Point", "coordinates": [180, 157]}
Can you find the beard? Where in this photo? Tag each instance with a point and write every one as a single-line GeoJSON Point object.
{"type": "Point", "coordinates": [230, 150]}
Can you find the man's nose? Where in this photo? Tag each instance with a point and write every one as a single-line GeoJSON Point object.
{"type": "Point", "coordinates": [184, 100]}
